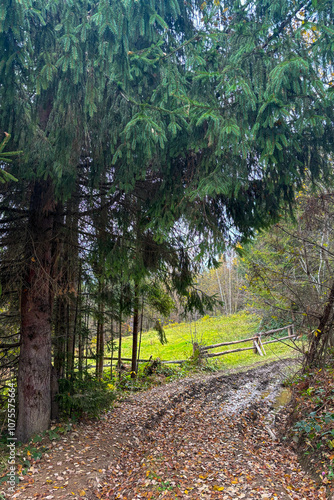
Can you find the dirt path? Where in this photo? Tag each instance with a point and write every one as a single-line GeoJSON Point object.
{"type": "Point", "coordinates": [193, 439]}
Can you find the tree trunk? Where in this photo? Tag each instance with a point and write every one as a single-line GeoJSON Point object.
{"type": "Point", "coordinates": [80, 321]}
{"type": "Point", "coordinates": [320, 336]}
{"type": "Point", "coordinates": [135, 332]}
{"type": "Point", "coordinates": [34, 391]}
{"type": "Point", "coordinates": [100, 337]}
{"type": "Point", "coordinates": [141, 329]}
{"type": "Point", "coordinates": [54, 392]}
{"type": "Point", "coordinates": [71, 273]}
{"type": "Point", "coordinates": [112, 342]}
{"type": "Point", "coordinates": [119, 360]}
{"type": "Point", "coordinates": [59, 338]}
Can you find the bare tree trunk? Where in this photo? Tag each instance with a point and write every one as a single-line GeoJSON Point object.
{"type": "Point", "coordinates": [135, 332]}
{"type": "Point", "coordinates": [34, 377]}
{"type": "Point", "coordinates": [59, 338]}
{"type": "Point", "coordinates": [71, 265]}
{"type": "Point", "coordinates": [81, 352]}
{"type": "Point", "coordinates": [112, 342]}
{"type": "Point", "coordinates": [141, 329]}
{"type": "Point", "coordinates": [79, 323]}
{"type": "Point", "coordinates": [119, 361]}
{"type": "Point", "coordinates": [70, 340]}
{"type": "Point", "coordinates": [100, 335]}
{"type": "Point", "coordinates": [87, 314]}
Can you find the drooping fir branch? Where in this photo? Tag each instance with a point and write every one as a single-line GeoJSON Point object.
{"type": "Point", "coordinates": [6, 158]}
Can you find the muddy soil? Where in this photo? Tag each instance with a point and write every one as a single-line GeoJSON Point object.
{"type": "Point", "coordinates": [108, 458]}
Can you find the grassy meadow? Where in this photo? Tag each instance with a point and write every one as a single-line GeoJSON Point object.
{"type": "Point", "coordinates": [207, 331]}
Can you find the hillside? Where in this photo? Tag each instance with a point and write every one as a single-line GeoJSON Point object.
{"type": "Point", "coordinates": [208, 330]}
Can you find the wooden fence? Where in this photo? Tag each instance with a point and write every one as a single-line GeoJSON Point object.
{"type": "Point", "coordinates": [257, 346]}
{"type": "Point", "coordinates": [108, 358]}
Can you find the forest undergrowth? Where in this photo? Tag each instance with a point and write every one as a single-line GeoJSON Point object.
{"type": "Point", "coordinates": [309, 422]}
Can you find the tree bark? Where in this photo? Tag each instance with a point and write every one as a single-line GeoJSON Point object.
{"type": "Point", "coordinates": [119, 360]}
{"type": "Point", "coordinates": [34, 391]}
{"type": "Point", "coordinates": [71, 273]}
{"type": "Point", "coordinates": [59, 337]}
{"type": "Point", "coordinates": [135, 332]}
{"type": "Point", "coordinates": [100, 334]}
{"type": "Point", "coordinates": [312, 357]}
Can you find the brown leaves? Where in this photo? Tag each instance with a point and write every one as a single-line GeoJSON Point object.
{"type": "Point", "coordinates": [199, 450]}
{"type": "Point", "coordinates": [192, 439]}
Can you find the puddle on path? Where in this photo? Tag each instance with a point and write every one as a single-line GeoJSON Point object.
{"type": "Point", "coordinates": [275, 396]}
{"type": "Point", "coordinates": [282, 399]}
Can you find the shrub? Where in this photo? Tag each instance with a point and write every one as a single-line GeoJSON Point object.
{"type": "Point", "coordinates": [87, 396]}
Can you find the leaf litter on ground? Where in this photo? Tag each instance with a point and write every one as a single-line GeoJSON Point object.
{"type": "Point", "coordinates": [196, 438]}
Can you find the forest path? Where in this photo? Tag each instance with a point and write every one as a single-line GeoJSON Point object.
{"type": "Point", "coordinates": [196, 438]}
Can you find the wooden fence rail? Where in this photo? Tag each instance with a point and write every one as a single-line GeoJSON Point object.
{"type": "Point", "coordinates": [290, 329]}
{"type": "Point", "coordinates": [257, 343]}
{"type": "Point", "coordinates": [179, 361]}
{"type": "Point", "coordinates": [257, 347]}
{"type": "Point", "coordinates": [213, 346]}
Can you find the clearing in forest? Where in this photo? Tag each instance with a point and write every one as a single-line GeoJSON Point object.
{"type": "Point", "coordinates": [207, 331]}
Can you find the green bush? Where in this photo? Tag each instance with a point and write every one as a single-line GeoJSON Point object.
{"type": "Point", "coordinates": [87, 396]}
{"type": "Point", "coordinates": [155, 366]}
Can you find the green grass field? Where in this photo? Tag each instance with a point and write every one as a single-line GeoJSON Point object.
{"type": "Point", "coordinates": [207, 331]}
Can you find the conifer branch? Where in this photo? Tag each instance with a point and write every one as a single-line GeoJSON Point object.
{"type": "Point", "coordinates": [196, 37]}
{"type": "Point", "coordinates": [287, 21]}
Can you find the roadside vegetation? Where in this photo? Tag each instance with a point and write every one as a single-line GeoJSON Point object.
{"type": "Point", "coordinates": [309, 425]}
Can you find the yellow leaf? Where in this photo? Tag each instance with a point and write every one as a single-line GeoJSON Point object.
{"type": "Point", "coordinates": [202, 7]}
{"type": "Point", "coordinates": [82, 493]}
{"type": "Point", "coordinates": [218, 488]}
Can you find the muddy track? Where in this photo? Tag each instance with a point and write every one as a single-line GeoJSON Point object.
{"type": "Point", "coordinates": [178, 431]}
{"type": "Point", "coordinates": [237, 390]}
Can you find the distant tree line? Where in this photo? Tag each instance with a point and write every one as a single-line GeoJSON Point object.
{"type": "Point", "coordinates": [290, 271]}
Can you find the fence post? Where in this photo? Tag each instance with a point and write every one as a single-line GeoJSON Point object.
{"type": "Point", "coordinates": [257, 345]}
{"type": "Point", "coordinates": [261, 345]}
{"type": "Point", "coordinates": [254, 345]}
{"type": "Point", "coordinates": [197, 353]}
